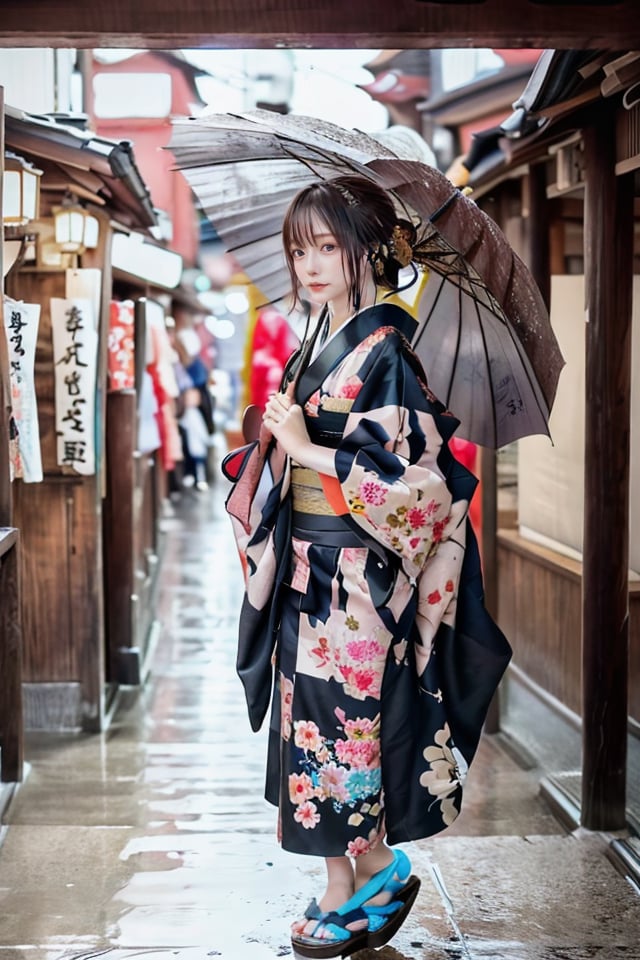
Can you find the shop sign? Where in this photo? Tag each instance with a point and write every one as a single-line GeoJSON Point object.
{"type": "Point", "coordinates": [21, 325]}
{"type": "Point", "coordinates": [75, 353]}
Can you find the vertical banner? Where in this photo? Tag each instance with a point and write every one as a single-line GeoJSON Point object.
{"type": "Point", "coordinates": [75, 355]}
{"type": "Point", "coordinates": [85, 283]}
{"type": "Point", "coordinates": [21, 324]}
{"type": "Point", "coordinates": [121, 346]}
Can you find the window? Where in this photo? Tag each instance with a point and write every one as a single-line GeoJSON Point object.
{"type": "Point", "coordinates": [132, 95]}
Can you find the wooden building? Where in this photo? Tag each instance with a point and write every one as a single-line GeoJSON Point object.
{"type": "Point", "coordinates": [562, 179]}
{"type": "Point", "coordinates": [89, 540]}
{"type": "Point", "coordinates": [162, 85]}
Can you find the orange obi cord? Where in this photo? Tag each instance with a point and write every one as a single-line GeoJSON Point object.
{"type": "Point", "coordinates": [333, 492]}
{"type": "Point", "coordinates": [316, 493]}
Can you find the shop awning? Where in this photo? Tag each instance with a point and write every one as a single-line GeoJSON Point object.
{"type": "Point", "coordinates": [93, 167]}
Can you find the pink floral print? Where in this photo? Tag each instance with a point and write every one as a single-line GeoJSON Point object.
{"type": "Point", "coordinates": [307, 734]}
{"type": "Point", "coordinates": [372, 492]}
{"type": "Point", "coordinates": [312, 405]}
{"type": "Point", "coordinates": [399, 517]}
{"type": "Point", "coordinates": [359, 754]}
{"type": "Point", "coordinates": [344, 771]}
{"type": "Point", "coordinates": [307, 815]}
{"type": "Point", "coordinates": [286, 699]}
{"type": "Point", "coordinates": [358, 847]}
{"type": "Point", "coordinates": [350, 388]}
{"type": "Point", "coordinates": [351, 647]}
{"type": "Point", "coordinates": [300, 788]}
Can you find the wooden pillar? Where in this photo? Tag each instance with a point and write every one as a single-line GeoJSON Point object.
{"type": "Point", "coordinates": [538, 231]}
{"type": "Point", "coordinates": [120, 534]}
{"type": "Point", "coordinates": [489, 487]}
{"type": "Point", "coordinates": [6, 504]}
{"type": "Point", "coordinates": [11, 718]}
{"type": "Point", "coordinates": [605, 603]}
{"type": "Point", "coordinates": [6, 499]}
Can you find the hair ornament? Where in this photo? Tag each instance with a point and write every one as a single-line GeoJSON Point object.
{"type": "Point", "coordinates": [378, 253]}
{"type": "Point", "coordinates": [346, 194]}
{"type": "Point", "coordinates": [398, 250]}
{"type": "Point", "coordinates": [401, 244]}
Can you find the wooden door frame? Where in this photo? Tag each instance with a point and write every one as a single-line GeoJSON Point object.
{"type": "Point", "coordinates": [320, 24]}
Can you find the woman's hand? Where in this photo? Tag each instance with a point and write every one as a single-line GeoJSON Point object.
{"type": "Point", "coordinates": [285, 420]}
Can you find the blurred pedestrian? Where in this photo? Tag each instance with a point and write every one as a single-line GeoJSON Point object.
{"type": "Point", "coordinates": [197, 439]}
{"type": "Point", "coordinates": [272, 345]}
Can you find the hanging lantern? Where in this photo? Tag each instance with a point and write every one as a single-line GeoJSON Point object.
{"type": "Point", "coordinates": [20, 191]}
{"type": "Point", "coordinates": [75, 229]}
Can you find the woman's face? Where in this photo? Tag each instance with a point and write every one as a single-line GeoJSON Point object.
{"type": "Point", "coordinates": [320, 267]}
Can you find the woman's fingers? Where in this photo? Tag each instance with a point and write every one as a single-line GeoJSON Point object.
{"type": "Point", "coordinates": [277, 407]}
{"type": "Point", "coordinates": [286, 424]}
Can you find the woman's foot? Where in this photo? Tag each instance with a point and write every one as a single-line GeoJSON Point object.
{"type": "Point", "coordinates": [385, 891]}
{"type": "Point", "coordinates": [334, 926]}
{"type": "Point", "coordinates": [330, 933]}
{"type": "Point", "coordinates": [393, 892]}
{"type": "Point", "coordinates": [334, 896]}
{"type": "Point", "coordinates": [372, 865]}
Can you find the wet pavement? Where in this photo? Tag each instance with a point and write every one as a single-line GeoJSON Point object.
{"type": "Point", "coordinates": [153, 841]}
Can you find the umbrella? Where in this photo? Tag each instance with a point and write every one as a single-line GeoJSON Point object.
{"type": "Point", "coordinates": [482, 329]}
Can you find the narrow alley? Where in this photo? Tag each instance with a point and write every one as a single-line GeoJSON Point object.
{"type": "Point", "coordinates": [152, 840]}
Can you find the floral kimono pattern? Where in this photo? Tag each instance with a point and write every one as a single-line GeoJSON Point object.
{"type": "Point", "coordinates": [379, 694]}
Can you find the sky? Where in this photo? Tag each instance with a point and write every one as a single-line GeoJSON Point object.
{"type": "Point", "coordinates": [324, 82]}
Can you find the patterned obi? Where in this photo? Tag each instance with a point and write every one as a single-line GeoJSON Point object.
{"type": "Point", "coordinates": [307, 493]}
{"type": "Point", "coordinates": [313, 518]}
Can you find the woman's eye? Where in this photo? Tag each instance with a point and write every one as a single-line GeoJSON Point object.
{"type": "Point", "coordinates": [296, 254]}
{"type": "Point", "coordinates": [329, 247]}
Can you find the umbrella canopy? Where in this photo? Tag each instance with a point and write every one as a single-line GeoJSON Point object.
{"type": "Point", "coordinates": [482, 329]}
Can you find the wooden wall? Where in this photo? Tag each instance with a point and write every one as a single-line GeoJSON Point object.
{"type": "Point", "coordinates": [540, 611]}
{"type": "Point", "coordinates": [61, 556]}
{"type": "Point", "coordinates": [131, 548]}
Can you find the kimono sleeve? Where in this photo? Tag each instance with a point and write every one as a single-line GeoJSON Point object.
{"type": "Point", "coordinates": [388, 460]}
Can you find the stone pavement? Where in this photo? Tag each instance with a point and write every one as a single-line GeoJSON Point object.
{"type": "Point", "coordinates": [152, 840]}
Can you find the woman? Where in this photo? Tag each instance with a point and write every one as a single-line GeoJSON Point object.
{"type": "Point", "coordinates": [355, 572]}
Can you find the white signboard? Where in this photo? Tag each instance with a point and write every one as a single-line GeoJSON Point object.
{"type": "Point", "coordinates": [75, 353]}
{"type": "Point", "coordinates": [85, 283]}
{"type": "Point", "coordinates": [21, 324]}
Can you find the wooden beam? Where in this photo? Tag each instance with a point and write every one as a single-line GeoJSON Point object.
{"type": "Point", "coordinates": [317, 23]}
{"type": "Point", "coordinates": [605, 606]}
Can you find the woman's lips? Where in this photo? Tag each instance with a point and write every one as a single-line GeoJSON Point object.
{"type": "Point", "coordinates": [316, 286]}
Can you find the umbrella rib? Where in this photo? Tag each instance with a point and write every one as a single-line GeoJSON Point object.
{"type": "Point", "coordinates": [264, 236]}
{"type": "Point", "coordinates": [457, 353]}
{"type": "Point", "coordinates": [493, 396]}
{"type": "Point", "coordinates": [445, 206]}
{"type": "Point", "coordinates": [352, 165]}
{"type": "Point", "coordinates": [423, 326]}
{"type": "Point", "coordinates": [527, 365]}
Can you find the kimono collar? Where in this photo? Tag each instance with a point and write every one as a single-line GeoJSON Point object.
{"type": "Point", "coordinates": [346, 339]}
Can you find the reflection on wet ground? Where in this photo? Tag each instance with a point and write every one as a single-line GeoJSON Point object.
{"type": "Point", "coordinates": [153, 841]}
